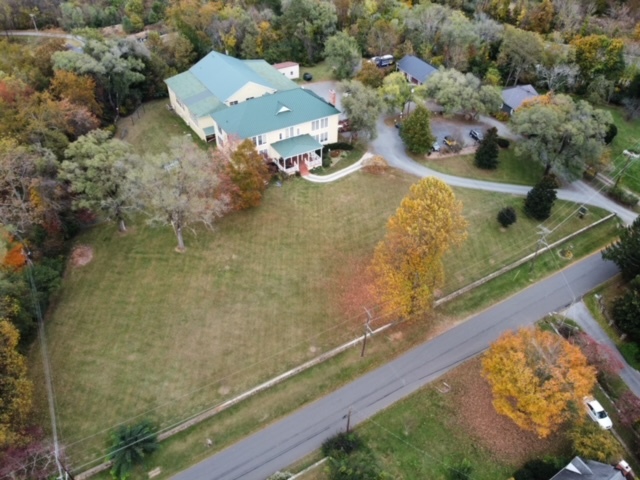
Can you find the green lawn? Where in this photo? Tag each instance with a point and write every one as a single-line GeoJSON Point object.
{"type": "Point", "coordinates": [144, 331]}
{"type": "Point", "coordinates": [150, 128]}
{"type": "Point", "coordinates": [320, 71]}
{"type": "Point", "coordinates": [628, 138]}
{"type": "Point", "coordinates": [512, 169]}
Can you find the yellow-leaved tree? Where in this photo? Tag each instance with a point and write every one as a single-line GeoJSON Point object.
{"type": "Point", "coordinates": [407, 263]}
{"type": "Point", "coordinates": [536, 378]}
{"type": "Point", "coordinates": [15, 388]}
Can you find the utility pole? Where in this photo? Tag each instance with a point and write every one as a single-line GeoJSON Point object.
{"type": "Point", "coordinates": [33, 19]}
{"type": "Point", "coordinates": [543, 232]}
{"type": "Point", "coordinates": [349, 421]}
{"type": "Point", "coordinates": [367, 329]}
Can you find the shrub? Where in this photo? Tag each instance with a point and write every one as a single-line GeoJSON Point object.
{"type": "Point", "coordinates": [590, 441]}
{"type": "Point", "coordinates": [623, 197]}
{"type": "Point", "coordinates": [507, 216]}
{"type": "Point", "coordinates": [357, 466]}
{"type": "Point", "coordinates": [342, 443]}
{"type": "Point", "coordinates": [337, 146]}
{"type": "Point", "coordinates": [539, 468]}
{"type": "Point", "coordinates": [629, 408]}
{"type": "Point", "coordinates": [503, 142]}
{"type": "Point", "coordinates": [631, 353]}
{"type": "Point", "coordinates": [502, 116]}
{"type": "Point", "coordinates": [326, 161]}
{"type": "Point", "coordinates": [612, 131]}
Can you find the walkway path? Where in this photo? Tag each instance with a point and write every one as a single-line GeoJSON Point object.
{"type": "Point", "coordinates": [340, 173]}
{"type": "Point", "coordinates": [581, 315]}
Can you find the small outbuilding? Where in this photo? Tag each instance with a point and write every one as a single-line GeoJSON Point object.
{"type": "Point", "coordinates": [416, 70]}
{"type": "Point", "coordinates": [513, 97]}
{"type": "Point", "coordinates": [291, 70]}
{"type": "Point", "coordinates": [579, 469]}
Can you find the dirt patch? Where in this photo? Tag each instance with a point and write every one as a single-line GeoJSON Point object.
{"type": "Point", "coordinates": [472, 398]}
{"type": "Point", "coordinates": [81, 255]}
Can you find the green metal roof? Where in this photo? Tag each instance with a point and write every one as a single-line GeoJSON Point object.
{"type": "Point", "coordinates": [194, 94]}
{"type": "Point", "coordinates": [296, 146]}
{"type": "Point", "coordinates": [273, 112]}
{"type": "Point", "coordinates": [223, 75]}
{"type": "Point", "coordinates": [273, 76]}
{"type": "Point", "coordinates": [209, 130]}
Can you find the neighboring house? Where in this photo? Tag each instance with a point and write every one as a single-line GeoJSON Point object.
{"type": "Point", "coordinates": [416, 71]}
{"type": "Point", "coordinates": [579, 469]}
{"type": "Point", "coordinates": [513, 97]}
{"type": "Point", "coordinates": [288, 69]}
{"type": "Point", "coordinates": [221, 96]}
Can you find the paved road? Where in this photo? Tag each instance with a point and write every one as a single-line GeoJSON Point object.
{"type": "Point", "coordinates": [72, 40]}
{"type": "Point", "coordinates": [581, 314]}
{"type": "Point", "coordinates": [281, 444]}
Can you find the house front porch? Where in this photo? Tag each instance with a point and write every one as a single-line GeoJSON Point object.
{"type": "Point", "coordinates": [303, 149]}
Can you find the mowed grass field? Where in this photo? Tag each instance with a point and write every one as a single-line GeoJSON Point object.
{"type": "Point", "coordinates": [512, 169]}
{"type": "Point", "coordinates": [142, 331]}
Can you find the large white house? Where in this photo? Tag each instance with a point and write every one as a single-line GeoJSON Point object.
{"type": "Point", "coordinates": [221, 96]}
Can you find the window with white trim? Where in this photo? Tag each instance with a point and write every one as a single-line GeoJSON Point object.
{"type": "Point", "coordinates": [324, 137]}
{"type": "Point", "coordinates": [259, 140]}
{"type": "Point", "coordinates": [318, 124]}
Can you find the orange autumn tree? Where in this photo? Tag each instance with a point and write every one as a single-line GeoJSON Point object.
{"type": "Point", "coordinates": [536, 378]}
{"type": "Point", "coordinates": [407, 264]}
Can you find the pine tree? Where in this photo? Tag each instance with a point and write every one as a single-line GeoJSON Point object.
{"type": "Point", "coordinates": [507, 216]}
{"type": "Point", "coordinates": [487, 153]}
{"type": "Point", "coordinates": [626, 251]}
{"type": "Point", "coordinates": [540, 198]}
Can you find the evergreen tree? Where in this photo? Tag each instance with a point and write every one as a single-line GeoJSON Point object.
{"type": "Point", "coordinates": [130, 444]}
{"type": "Point", "coordinates": [540, 198]}
{"type": "Point", "coordinates": [416, 131]}
{"type": "Point", "coordinates": [487, 153]}
{"type": "Point", "coordinates": [626, 251]}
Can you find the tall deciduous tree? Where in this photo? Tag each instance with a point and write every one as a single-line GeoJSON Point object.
{"type": "Point", "coordinates": [625, 252]}
{"type": "Point", "coordinates": [416, 131]}
{"type": "Point", "coordinates": [17, 390]}
{"type": "Point", "coordinates": [179, 188]}
{"type": "Point", "coordinates": [520, 52]}
{"type": "Point", "coordinates": [78, 89]}
{"type": "Point", "coordinates": [114, 65]}
{"type": "Point", "coordinates": [536, 378]}
{"type": "Point", "coordinates": [96, 167]}
{"type": "Point", "coordinates": [599, 55]}
{"type": "Point", "coordinates": [396, 92]}
{"type": "Point", "coordinates": [407, 263]}
{"type": "Point", "coordinates": [461, 93]}
{"type": "Point", "coordinates": [488, 151]}
{"type": "Point", "coordinates": [342, 54]}
{"type": "Point", "coordinates": [561, 134]}
{"type": "Point", "coordinates": [248, 172]}
{"type": "Point", "coordinates": [383, 37]}
{"type": "Point", "coordinates": [362, 106]}
{"type": "Point", "coordinates": [370, 75]}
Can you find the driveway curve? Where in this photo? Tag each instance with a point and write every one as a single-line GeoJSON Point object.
{"type": "Point", "coordinates": [389, 145]}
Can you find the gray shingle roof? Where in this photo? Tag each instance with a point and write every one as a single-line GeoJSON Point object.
{"type": "Point", "coordinates": [514, 96]}
{"type": "Point", "coordinates": [417, 68]}
{"type": "Point", "coordinates": [578, 469]}
{"type": "Point", "coordinates": [266, 114]}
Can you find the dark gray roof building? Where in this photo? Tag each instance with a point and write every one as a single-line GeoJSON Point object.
{"type": "Point", "coordinates": [416, 70]}
{"type": "Point", "coordinates": [579, 469]}
{"type": "Point", "coordinates": [513, 97]}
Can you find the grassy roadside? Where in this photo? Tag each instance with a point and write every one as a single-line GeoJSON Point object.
{"type": "Point", "coordinates": [628, 138]}
{"type": "Point", "coordinates": [609, 292]}
{"type": "Point", "coordinates": [189, 447]}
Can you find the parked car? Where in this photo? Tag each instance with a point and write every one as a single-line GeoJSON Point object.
{"type": "Point", "coordinates": [435, 147]}
{"type": "Point", "coordinates": [476, 135]}
{"type": "Point", "coordinates": [307, 76]}
{"type": "Point", "coordinates": [383, 61]}
{"type": "Point", "coordinates": [597, 413]}
{"type": "Point", "coordinates": [449, 141]}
